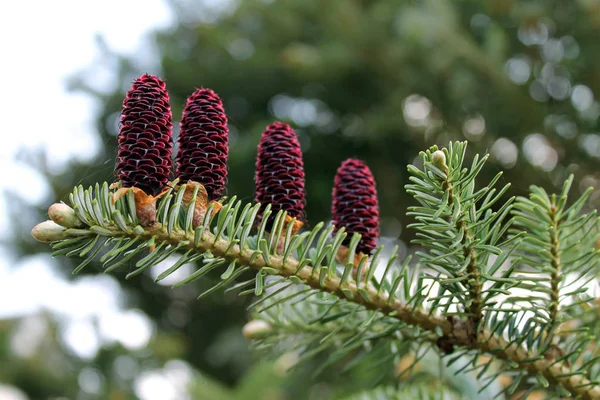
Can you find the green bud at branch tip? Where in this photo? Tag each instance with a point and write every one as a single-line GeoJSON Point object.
{"type": "Point", "coordinates": [256, 329]}
{"type": "Point", "coordinates": [64, 215]}
{"type": "Point", "coordinates": [439, 159]}
{"type": "Point", "coordinates": [49, 231]}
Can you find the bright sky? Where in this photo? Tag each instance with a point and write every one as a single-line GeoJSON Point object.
{"type": "Point", "coordinates": [42, 43]}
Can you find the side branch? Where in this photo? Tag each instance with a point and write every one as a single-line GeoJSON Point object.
{"type": "Point", "coordinates": [556, 270]}
{"type": "Point", "coordinates": [474, 282]}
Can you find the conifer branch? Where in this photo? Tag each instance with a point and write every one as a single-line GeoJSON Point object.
{"type": "Point", "coordinates": [455, 225]}
{"type": "Point", "coordinates": [371, 298]}
{"type": "Point", "coordinates": [556, 265]}
{"type": "Point", "coordinates": [473, 282]}
{"type": "Point", "coordinates": [556, 372]}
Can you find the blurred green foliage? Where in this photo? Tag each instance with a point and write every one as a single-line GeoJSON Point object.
{"type": "Point", "coordinates": [377, 80]}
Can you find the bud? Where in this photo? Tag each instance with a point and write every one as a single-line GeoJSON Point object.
{"type": "Point", "coordinates": [256, 329]}
{"type": "Point", "coordinates": [355, 205]}
{"type": "Point", "coordinates": [49, 231]}
{"type": "Point", "coordinates": [204, 143]}
{"type": "Point", "coordinates": [280, 171]}
{"type": "Point", "coordinates": [285, 362]}
{"type": "Point", "coordinates": [64, 215]}
{"type": "Point", "coordinates": [145, 142]}
{"type": "Point", "coordinates": [439, 159]}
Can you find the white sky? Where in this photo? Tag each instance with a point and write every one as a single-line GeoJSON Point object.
{"type": "Point", "coordinates": [42, 43]}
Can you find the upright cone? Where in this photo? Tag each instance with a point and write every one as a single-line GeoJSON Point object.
{"type": "Point", "coordinates": [145, 145]}
{"type": "Point", "coordinates": [204, 143]}
{"type": "Point", "coordinates": [355, 205]}
{"type": "Point", "coordinates": [145, 138]}
{"type": "Point", "coordinates": [280, 171]}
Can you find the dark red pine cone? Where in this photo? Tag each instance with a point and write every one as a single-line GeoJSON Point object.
{"type": "Point", "coordinates": [145, 141]}
{"type": "Point", "coordinates": [280, 171]}
{"type": "Point", "coordinates": [204, 143]}
{"type": "Point", "coordinates": [355, 204]}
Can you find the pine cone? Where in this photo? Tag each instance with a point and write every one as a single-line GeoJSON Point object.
{"type": "Point", "coordinates": [280, 171]}
{"type": "Point", "coordinates": [355, 204]}
{"type": "Point", "coordinates": [145, 141]}
{"type": "Point", "coordinates": [203, 143]}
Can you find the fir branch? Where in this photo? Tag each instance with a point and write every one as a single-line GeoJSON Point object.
{"type": "Point", "coordinates": [457, 226]}
{"type": "Point", "coordinates": [557, 243]}
{"type": "Point", "coordinates": [473, 283]}
{"type": "Point", "coordinates": [468, 231]}
{"type": "Point", "coordinates": [371, 299]}
{"type": "Point", "coordinates": [221, 249]}
{"type": "Point", "coordinates": [555, 261]}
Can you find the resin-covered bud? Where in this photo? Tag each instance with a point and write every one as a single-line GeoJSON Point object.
{"type": "Point", "coordinates": [49, 231]}
{"type": "Point", "coordinates": [439, 159]}
{"type": "Point", "coordinates": [64, 215]}
{"type": "Point", "coordinates": [256, 329]}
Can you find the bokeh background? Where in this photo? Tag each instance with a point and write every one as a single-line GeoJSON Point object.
{"type": "Point", "coordinates": [379, 80]}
